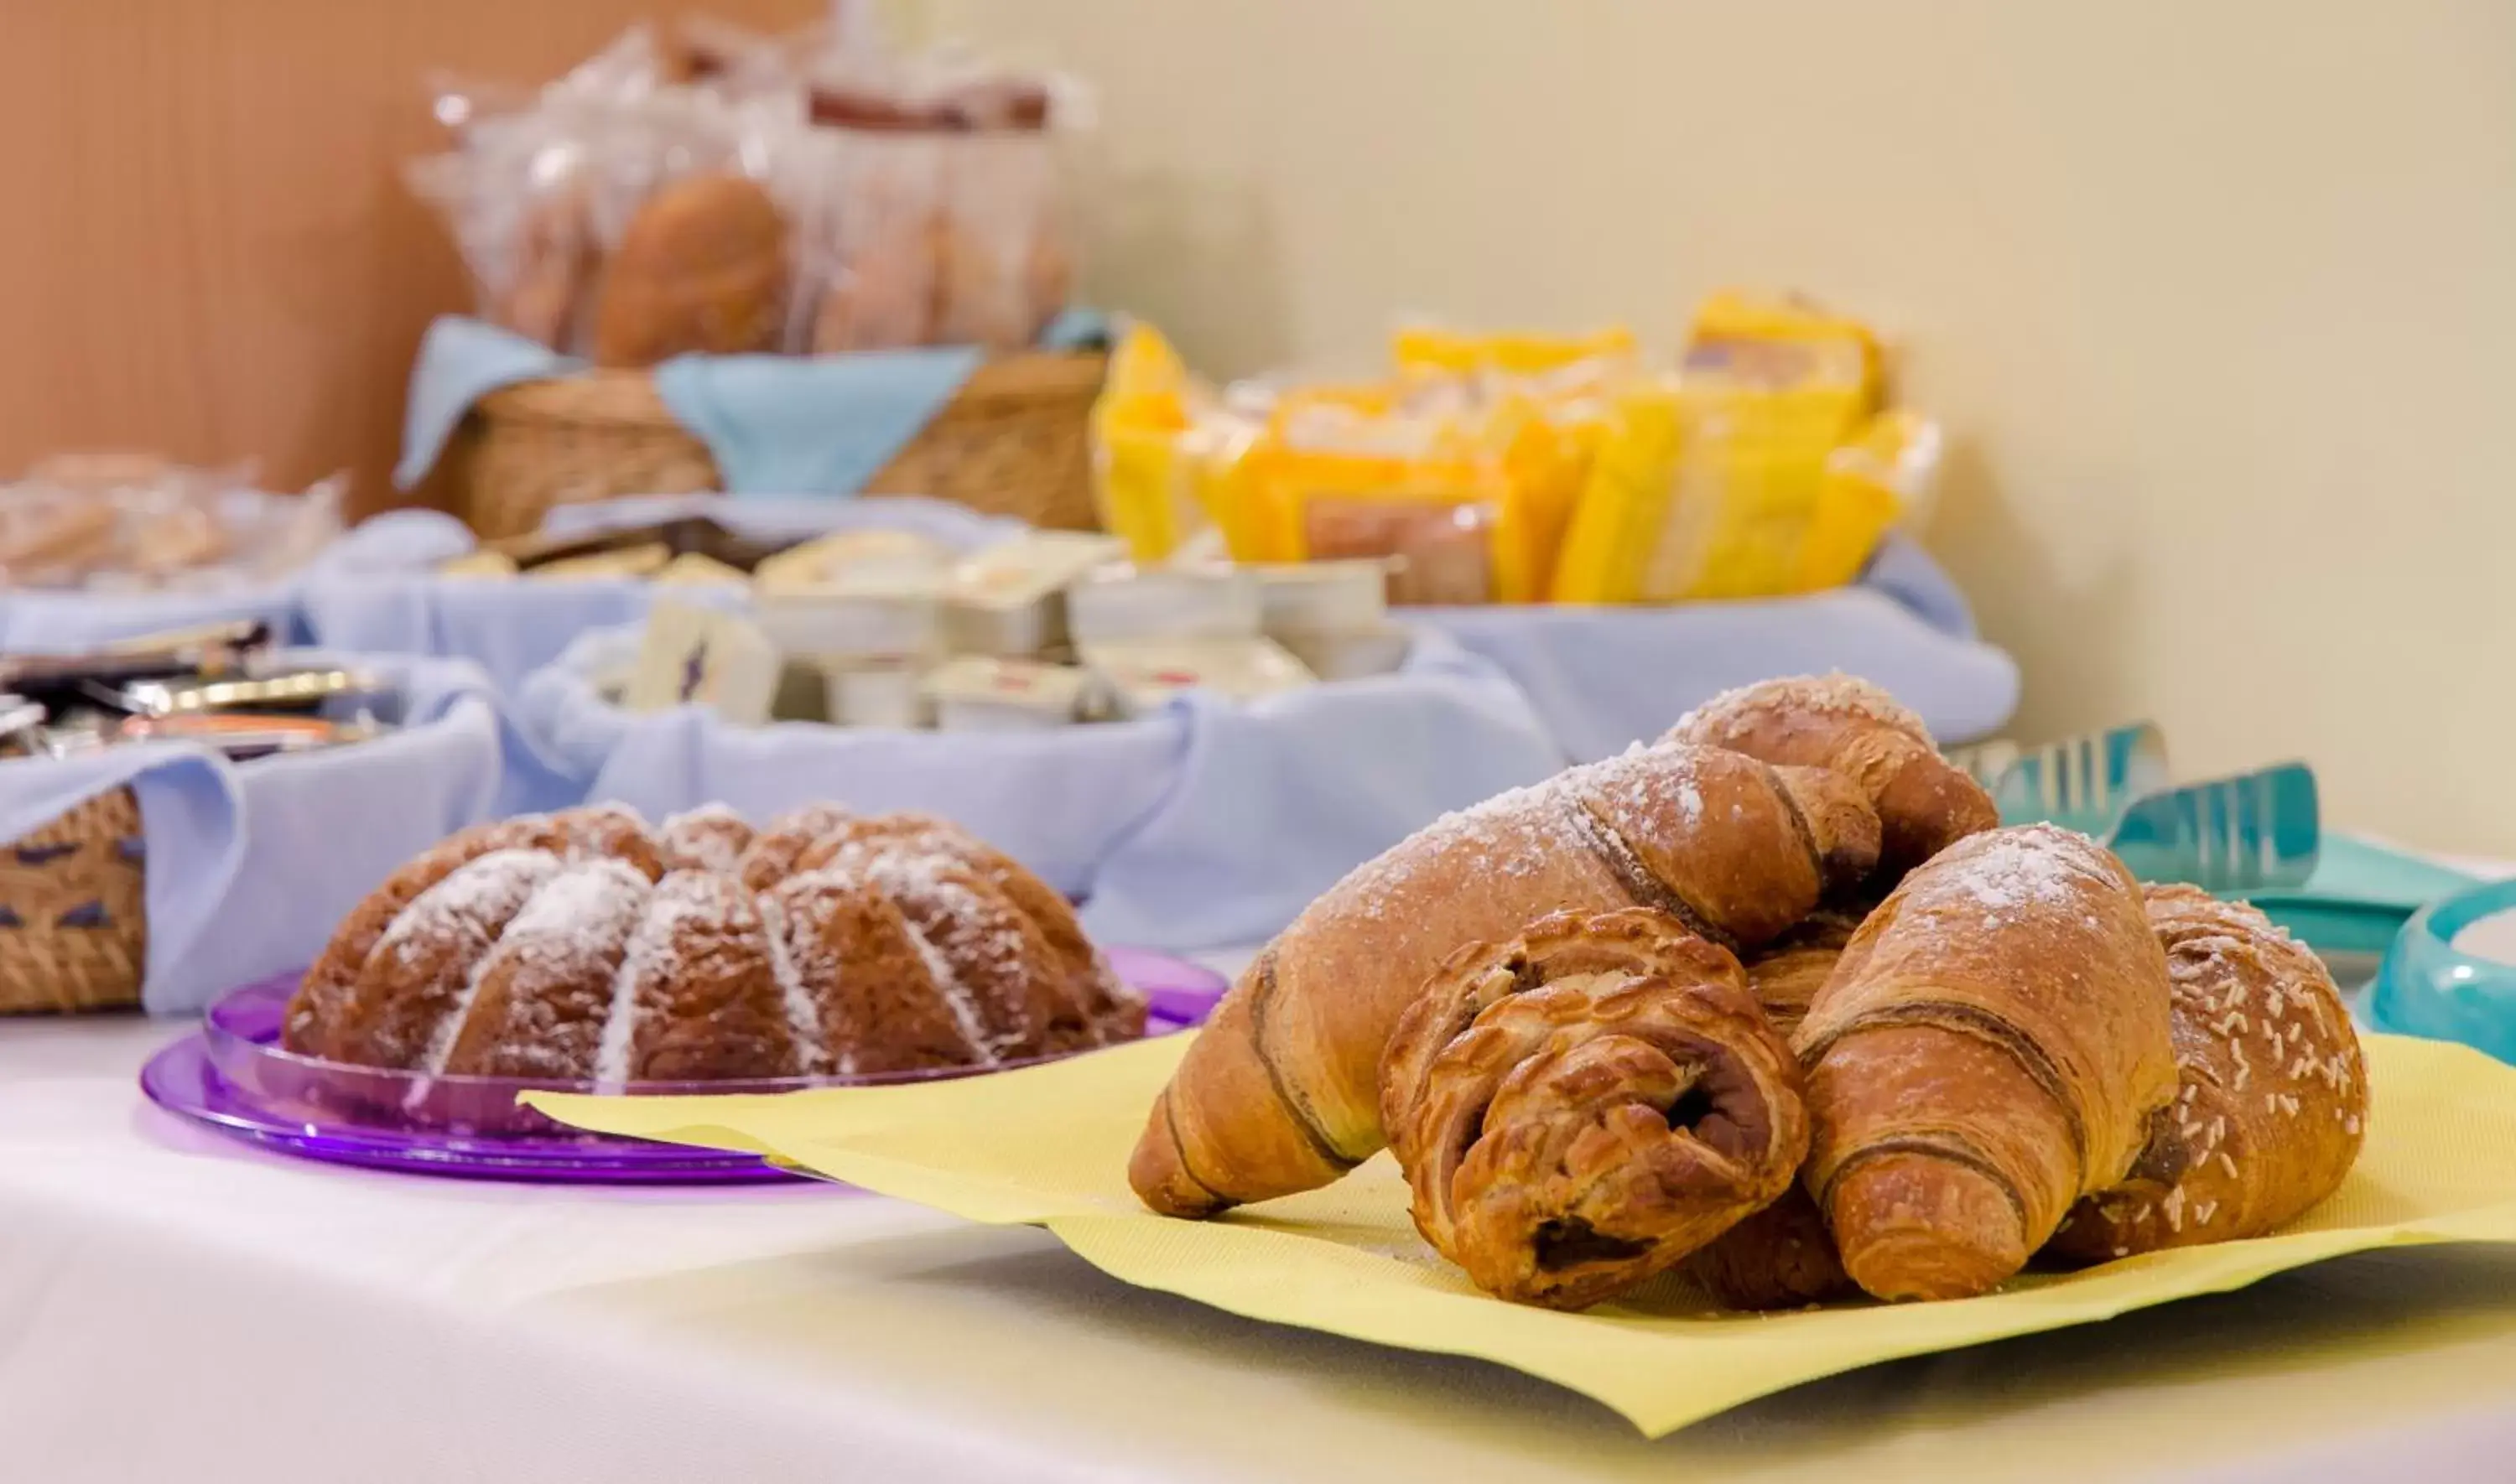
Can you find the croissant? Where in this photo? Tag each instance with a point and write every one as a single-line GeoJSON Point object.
{"type": "Point", "coordinates": [1925, 803]}
{"type": "Point", "coordinates": [2273, 1101]}
{"type": "Point", "coordinates": [1787, 975]}
{"type": "Point", "coordinates": [1279, 1091]}
{"type": "Point", "coordinates": [1990, 1048]}
{"type": "Point", "coordinates": [1779, 1257]}
{"type": "Point", "coordinates": [1783, 1256]}
{"type": "Point", "coordinates": [1582, 1107]}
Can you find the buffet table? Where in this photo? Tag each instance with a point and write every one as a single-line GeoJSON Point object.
{"type": "Point", "coordinates": [177, 1305]}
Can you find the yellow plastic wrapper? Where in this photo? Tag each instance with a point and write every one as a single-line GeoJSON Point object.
{"type": "Point", "coordinates": [1145, 479]}
{"type": "Point", "coordinates": [1048, 1146]}
{"type": "Point", "coordinates": [1762, 469]}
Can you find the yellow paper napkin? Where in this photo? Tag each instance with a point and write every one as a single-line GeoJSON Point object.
{"type": "Point", "coordinates": [1049, 1144]}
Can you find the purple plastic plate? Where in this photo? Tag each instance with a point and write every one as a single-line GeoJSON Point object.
{"type": "Point", "coordinates": [233, 1076]}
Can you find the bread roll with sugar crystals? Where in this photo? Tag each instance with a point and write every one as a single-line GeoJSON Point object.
{"type": "Point", "coordinates": [2271, 1105]}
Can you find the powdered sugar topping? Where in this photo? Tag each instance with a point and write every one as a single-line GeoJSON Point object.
{"type": "Point", "coordinates": [1833, 692]}
{"type": "Point", "coordinates": [1513, 834]}
{"type": "Point", "coordinates": [803, 1019]}
{"type": "Point", "coordinates": [712, 835]}
{"type": "Point", "coordinates": [579, 918]}
{"type": "Point", "coordinates": [2006, 871]}
{"type": "Point", "coordinates": [472, 903]}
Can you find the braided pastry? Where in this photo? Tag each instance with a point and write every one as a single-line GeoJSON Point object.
{"type": "Point", "coordinates": [1279, 1091]}
{"type": "Point", "coordinates": [2273, 1101]}
{"type": "Point", "coordinates": [1991, 1047]}
{"type": "Point", "coordinates": [1583, 1106]}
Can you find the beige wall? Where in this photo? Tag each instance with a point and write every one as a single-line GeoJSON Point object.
{"type": "Point", "coordinates": [2221, 296]}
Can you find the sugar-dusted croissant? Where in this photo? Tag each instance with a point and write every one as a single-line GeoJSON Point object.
{"type": "Point", "coordinates": [1991, 1047]}
{"type": "Point", "coordinates": [1280, 1090]}
{"type": "Point", "coordinates": [1582, 1107]}
{"type": "Point", "coordinates": [1925, 803]}
{"type": "Point", "coordinates": [2273, 1101]}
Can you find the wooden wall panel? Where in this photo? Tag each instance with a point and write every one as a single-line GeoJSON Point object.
{"type": "Point", "coordinates": [208, 249]}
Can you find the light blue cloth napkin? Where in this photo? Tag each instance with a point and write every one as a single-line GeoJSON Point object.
{"type": "Point", "coordinates": [810, 425]}
{"type": "Point", "coordinates": [1272, 804]}
{"type": "Point", "coordinates": [510, 628]}
{"type": "Point", "coordinates": [37, 621]}
{"type": "Point", "coordinates": [462, 360]}
{"type": "Point", "coordinates": [778, 425]}
{"type": "Point", "coordinates": [1204, 825]}
{"type": "Point", "coordinates": [250, 865]}
{"type": "Point", "coordinates": [1606, 676]}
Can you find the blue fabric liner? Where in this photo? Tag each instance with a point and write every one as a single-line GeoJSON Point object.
{"type": "Point", "coordinates": [510, 628]}
{"type": "Point", "coordinates": [1606, 676]}
{"type": "Point", "coordinates": [251, 865]}
{"type": "Point", "coordinates": [1205, 825]}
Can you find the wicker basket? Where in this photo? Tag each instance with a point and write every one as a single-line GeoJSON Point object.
{"type": "Point", "coordinates": [74, 929]}
{"type": "Point", "coordinates": [1014, 441]}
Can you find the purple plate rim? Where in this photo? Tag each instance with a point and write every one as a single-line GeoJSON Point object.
{"type": "Point", "coordinates": [1179, 995]}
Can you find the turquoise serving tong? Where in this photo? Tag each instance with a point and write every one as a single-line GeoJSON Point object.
{"type": "Point", "coordinates": [2253, 831]}
{"type": "Point", "coordinates": [2084, 782]}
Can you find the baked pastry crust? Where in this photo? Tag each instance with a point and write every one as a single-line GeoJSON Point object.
{"type": "Point", "coordinates": [587, 946]}
{"type": "Point", "coordinates": [1280, 1090]}
{"type": "Point", "coordinates": [1990, 1046]}
{"type": "Point", "coordinates": [2271, 1102]}
{"type": "Point", "coordinates": [1584, 1106]}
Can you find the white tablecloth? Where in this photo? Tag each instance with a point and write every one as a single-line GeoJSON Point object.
{"type": "Point", "coordinates": [176, 1306]}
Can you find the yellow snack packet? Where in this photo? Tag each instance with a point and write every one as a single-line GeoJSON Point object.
{"type": "Point", "coordinates": [1881, 479]}
{"type": "Point", "coordinates": [1433, 349]}
{"type": "Point", "coordinates": [1722, 481]}
{"type": "Point", "coordinates": [1144, 475]}
{"type": "Point", "coordinates": [1784, 344]}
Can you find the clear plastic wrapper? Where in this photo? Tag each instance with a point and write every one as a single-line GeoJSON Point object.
{"type": "Point", "coordinates": [1004, 268]}
{"type": "Point", "coordinates": [132, 522]}
{"type": "Point", "coordinates": [869, 249]}
{"type": "Point", "coordinates": [918, 195]}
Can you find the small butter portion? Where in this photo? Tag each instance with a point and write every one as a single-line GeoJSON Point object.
{"type": "Point", "coordinates": [1010, 600]}
{"type": "Point", "coordinates": [843, 621]}
{"type": "Point", "coordinates": [645, 559]}
{"type": "Point", "coordinates": [858, 561]}
{"type": "Point", "coordinates": [1141, 674]}
{"type": "Point", "coordinates": [484, 563]}
{"type": "Point", "coordinates": [985, 693]}
{"type": "Point", "coordinates": [1129, 604]}
{"type": "Point", "coordinates": [1351, 654]}
{"type": "Point", "coordinates": [698, 568]}
{"type": "Point", "coordinates": [873, 692]}
{"type": "Point", "coordinates": [1339, 596]}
